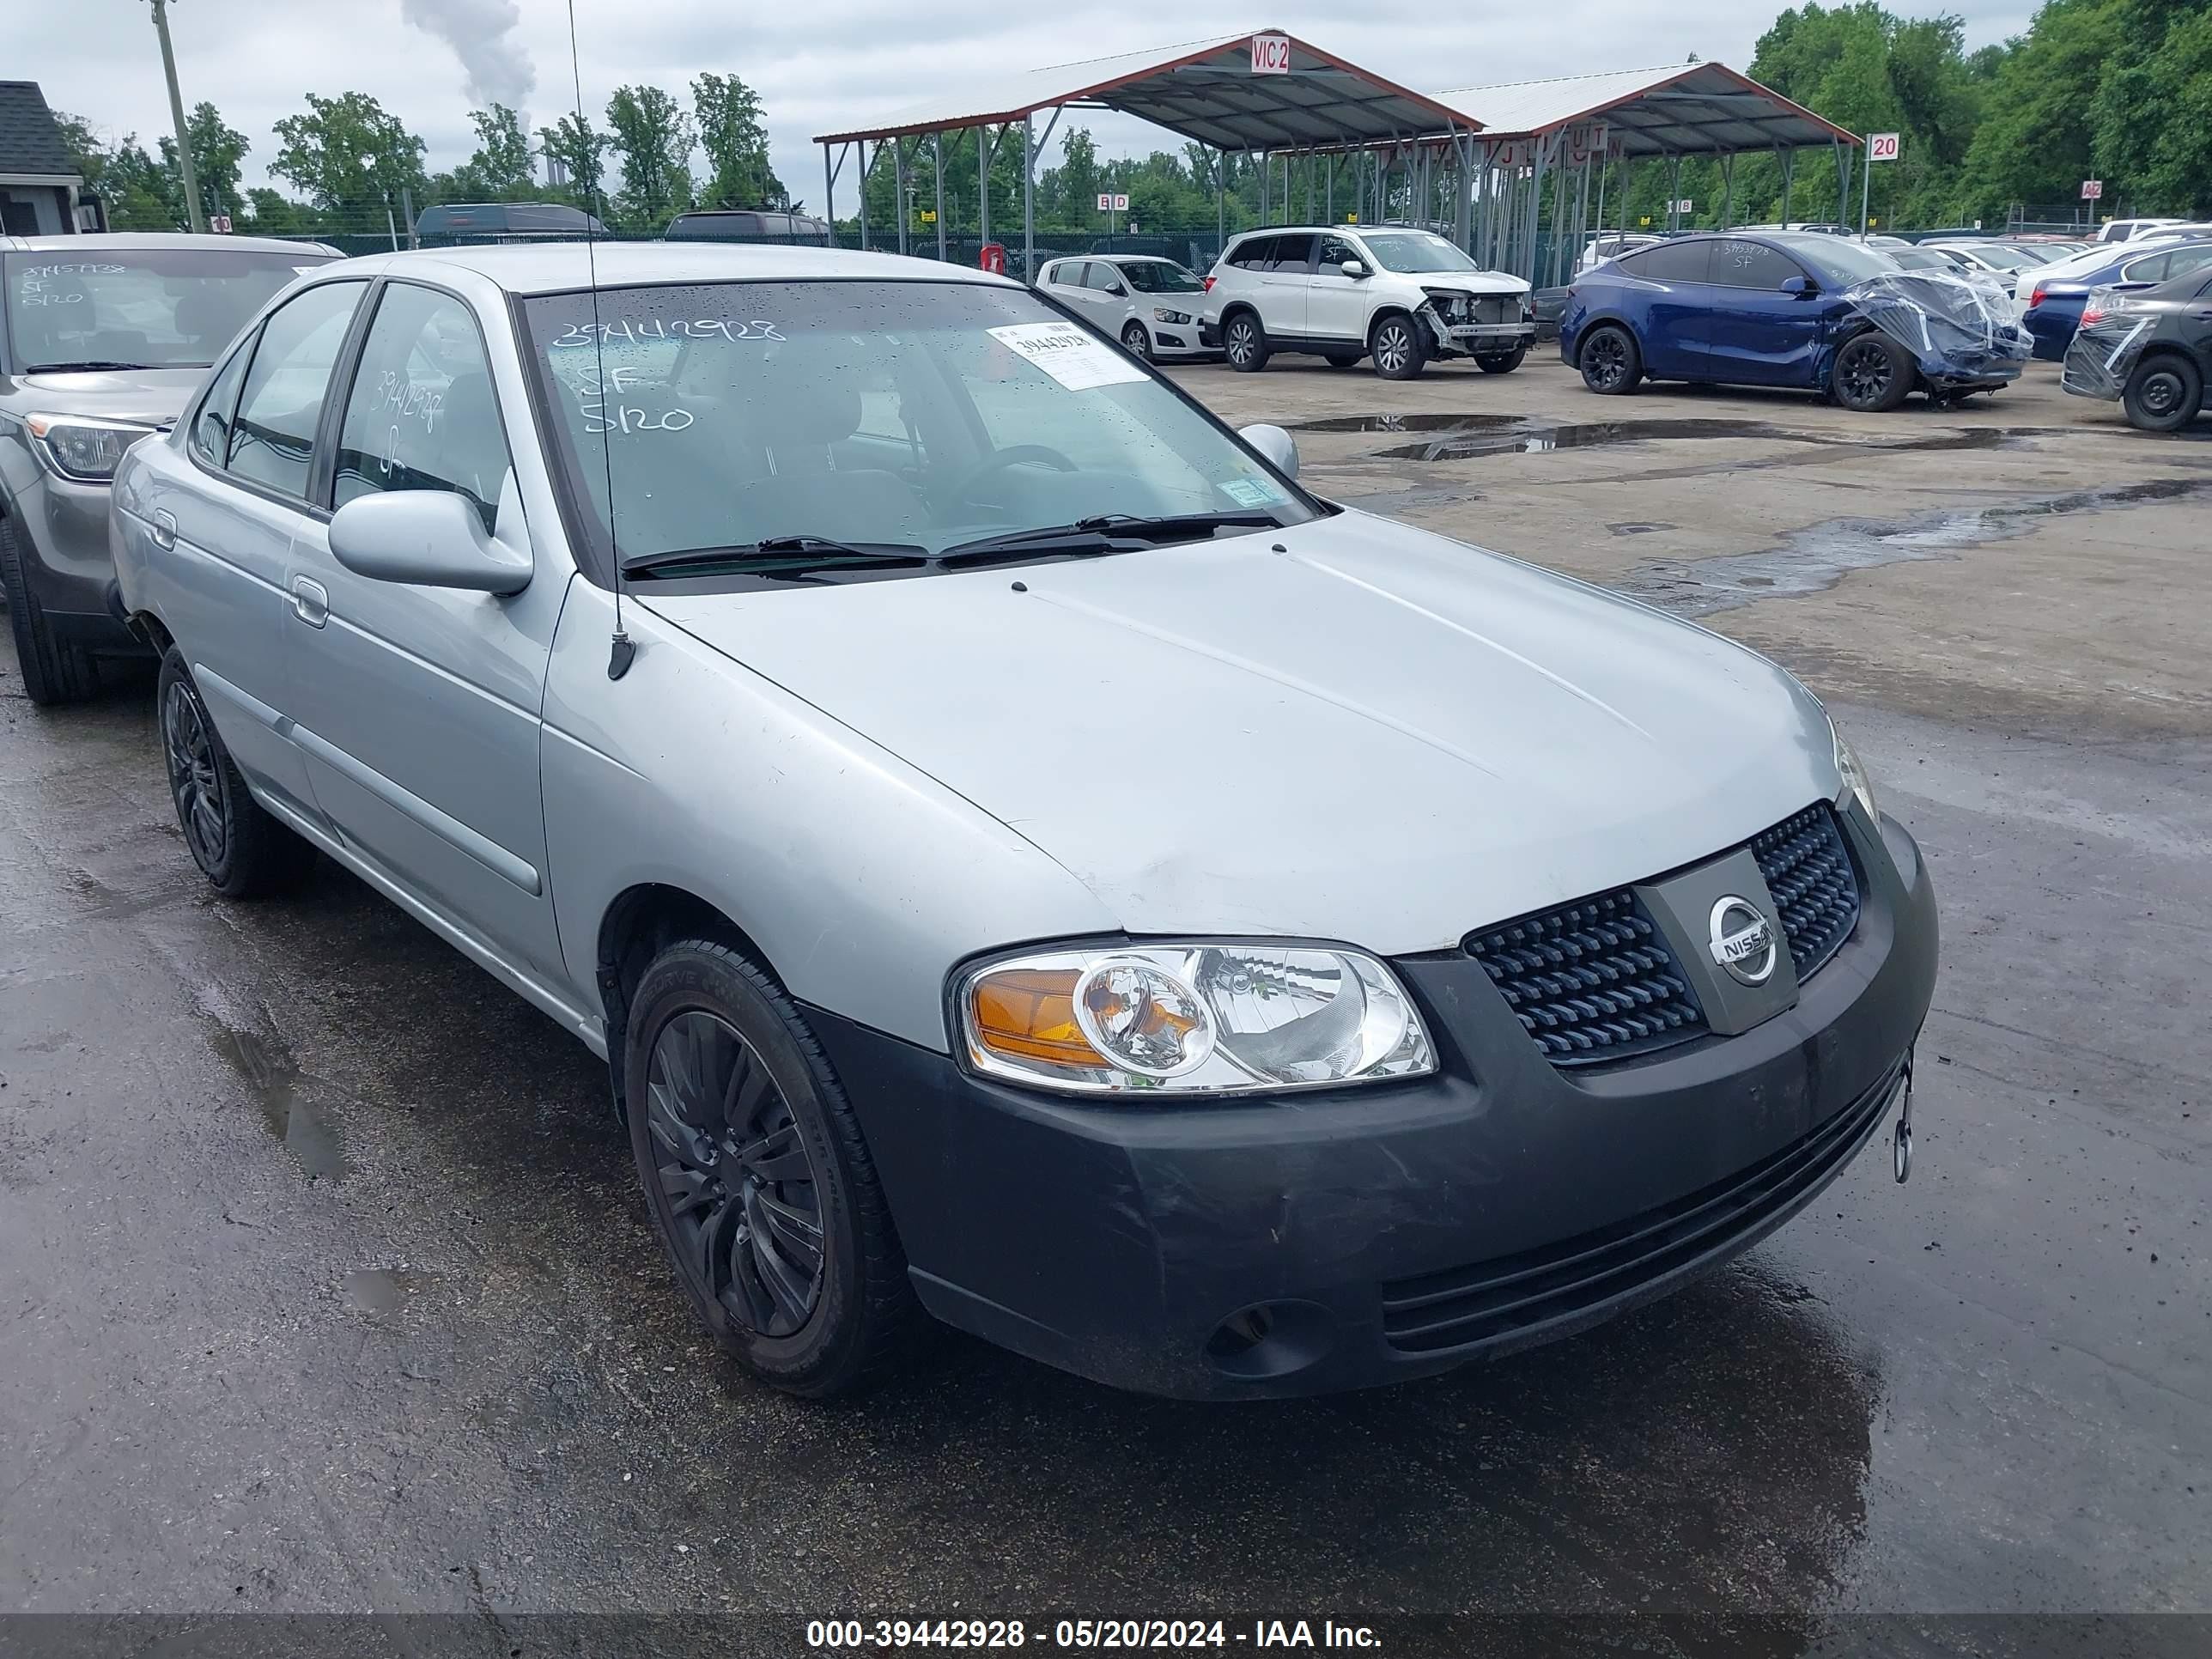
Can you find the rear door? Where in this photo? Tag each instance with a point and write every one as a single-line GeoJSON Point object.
{"type": "Point", "coordinates": [418, 707]}
{"type": "Point", "coordinates": [1755, 334]}
{"type": "Point", "coordinates": [1672, 301]}
{"type": "Point", "coordinates": [1284, 285]}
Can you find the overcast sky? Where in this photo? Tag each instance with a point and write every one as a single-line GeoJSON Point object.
{"type": "Point", "coordinates": [820, 65]}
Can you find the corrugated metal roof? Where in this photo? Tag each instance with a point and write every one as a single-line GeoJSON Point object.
{"type": "Point", "coordinates": [1685, 109]}
{"type": "Point", "coordinates": [1205, 90]}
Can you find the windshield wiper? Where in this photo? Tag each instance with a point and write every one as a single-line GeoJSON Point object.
{"type": "Point", "coordinates": [811, 553]}
{"type": "Point", "coordinates": [1107, 532]}
{"type": "Point", "coordinates": [90, 365]}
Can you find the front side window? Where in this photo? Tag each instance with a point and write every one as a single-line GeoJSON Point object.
{"type": "Point", "coordinates": [273, 440]}
{"type": "Point", "coordinates": [920, 414]}
{"type": "Point", "coordinates": [1334, 251]}
{"type": "Point", "coordinates": [1411, 252]}
{"type": "Point", "coordinates": [139, 307]}
{"type": "Point", "coordinates": [422, 413]}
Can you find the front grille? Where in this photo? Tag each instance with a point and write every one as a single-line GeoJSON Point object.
{"type": "Point", "coordinates": [1591, 981]}
{"type": "Point", "coordinates": [1808, 870]}
{"type": "Point", "coordinates": [1471, 1306]}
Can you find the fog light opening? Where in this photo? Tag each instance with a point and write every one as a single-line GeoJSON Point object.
{"type": "Point", "coordinates": [1271, 1339]}
{"type": "Point", "coordinates": [1240, 1333]}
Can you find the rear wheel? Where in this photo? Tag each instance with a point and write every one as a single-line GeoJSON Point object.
{"type": "Point", "coordinates": [1872, 375]}
{"type": "Point", "coordinates": [1245, 343]}
{"type": "Point", "coordinates": [54, 671]}
{"type": "Point", "coordinates": [239, 847]}
{"type": "Point", "coordinates": [1137, 343]}
{"type": "Point", "coordinates": [1399, 351]}
{"type": "Point", "coordinates": [1503, 362]}
{"type": "Point", "coordinates": [759, 1183]}
{"type": "Point", "coordinates": [2163, 394]}
{"type": "Point", "coordinates": [1609, 361]}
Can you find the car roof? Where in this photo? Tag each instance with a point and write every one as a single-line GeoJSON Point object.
{"type": "Point", "coordinates": [558, 267]}
{"type": "Point", "coordinates": [120, 239]}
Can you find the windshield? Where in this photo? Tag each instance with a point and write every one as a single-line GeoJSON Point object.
{"type": "Point", "coordinates": [1408, 252]}
{"type": "Point", "coordinates": [139, 307]}
{"type": "Point", "coordinates": [1160, 276]}
{"type": "Point", "coordinates": [920, 414]}
{"type": "Point", "coordinates": [1837, 261]}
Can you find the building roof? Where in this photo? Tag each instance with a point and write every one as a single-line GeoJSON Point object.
{"type": "Point", "coordinates": [30, 141]}
{"type": "Point", "coordinates": [1677, 109]}
{"type": "Point", "coordinates": [1205, 90]}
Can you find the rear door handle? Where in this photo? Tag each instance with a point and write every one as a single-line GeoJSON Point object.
{"type": "Point", "coordinates": [163, 529]}
{"type": "Point", "coordinates": [311, 601]}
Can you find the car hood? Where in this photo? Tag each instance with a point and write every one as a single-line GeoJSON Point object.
{"type": "Point", "coordinates": [1349, 730]}
{"type": "Point", "coordinates": [1471, 281]}
{"type": "Point", "coordinates": [155, 396]}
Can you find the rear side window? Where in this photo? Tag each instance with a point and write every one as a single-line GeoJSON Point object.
{"type": "Point", "coordinates": [1671, 262]}
{"type": "Point", "coordinates": [1254, 254]}
{"type": "Point", "coordinates": [2184, 260]}
{"type": "Point", "coordinates": [2153, 270]}
{"type": "Point", "coordinates": [273, 441]}
{"type": "Point", "coordinates": [422, 413]}
{"type": "Point", "coordinates": [210, 434]}
{"type": "Point", "coordinates": [1739, 262]}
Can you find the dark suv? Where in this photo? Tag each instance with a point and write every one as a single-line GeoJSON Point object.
{"type": "Point", "coordinates": [102, 340]}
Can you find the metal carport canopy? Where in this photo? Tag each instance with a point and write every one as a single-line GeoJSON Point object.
{"type": "Point", "coordinates": [1206, 90]}
{"type": "Point", "coordinates": [1680, 109]}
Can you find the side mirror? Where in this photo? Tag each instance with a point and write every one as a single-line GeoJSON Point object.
{"type": "Point", "coordinates": [1353, 267]}
{"type": "Point", "coordinates": [430, 537]}
{"type": "Point", "coordinates": [1800, 287]}
{"type": "Point", "coordinates": [1280, 449]}
{"type": "Point", "coordinates": [1118, 291]}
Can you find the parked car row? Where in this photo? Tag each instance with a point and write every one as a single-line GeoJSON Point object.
{"type": "Point", "coordinates": [797, 673]}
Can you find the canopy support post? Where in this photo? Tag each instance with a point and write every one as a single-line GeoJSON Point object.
{"type": "Point", "coordinates": [1029, 200]}
{"type": "Point", "coordinates": [1673, 193]}
{"type": "Point", "coordinates": [1329, 194]}
{"type": "Point", "coordinates": [1727, 188]}
{"type": "Point", "coordinates": [1788, 158]}
{"type": "Point", "coordinates": [898, 188]}
{"type": "Point", "coordinates": [1220, 203]}
{"type": "Point", "coordinates": [937, 166]}
{"type": "Point", "coordinates": [828, 196]}
{"type": "Point", "coordinates": [864, 189]}
{"type": "Point", "coordinates": [984, 148]}
{"type": "Point", "coordinates": [1604, 174]}
{"type": "Point", "coordinates": [1843, 182]}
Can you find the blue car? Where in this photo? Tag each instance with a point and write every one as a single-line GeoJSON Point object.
{"type": "Point", "coordinates": [2054, 306]}
{"type": "Point", "coordinates": [1761, 309]}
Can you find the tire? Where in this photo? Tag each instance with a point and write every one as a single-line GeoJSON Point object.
{"type": "Point", "coordinates": [777, 1226]}
{"type": "Point", "coordinates": [2163, 394]}
{"type": "Point", "coordinates": [1399, 351]}
{"type": "Point", "coordinates": [1871, 374]}
{"type": "Point", "coordinates": [242, 851]}
{"type": "Point", "coordinates": [1610, 362]}
{"type": "Point", "coordinates": [54, 671]}
{"type": "Point", "coordinates": [1344, 359]}
{"type": "Point", "coordinates": [1244, 341]}
{"type": "Point", "coordinates": [1503, 363]}
{"type": "Point", "coordinates": [1135, 341]}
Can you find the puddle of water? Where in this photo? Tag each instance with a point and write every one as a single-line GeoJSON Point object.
{"type": "Point", "coordinates": [285, 1100]}
{"type": "Point", "coordinates": [1460, 436]}
{"type": "Point", "coordinates": [1818, 557]}
{"type": "Point", "coordinates": [385, 1289]}
{"type": "Point", "coordinates": [1636, 529]}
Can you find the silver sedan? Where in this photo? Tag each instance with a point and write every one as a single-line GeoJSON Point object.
{"type": "Point", "coordinates": [1024, 859]}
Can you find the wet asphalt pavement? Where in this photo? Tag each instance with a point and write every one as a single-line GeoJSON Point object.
{"type": "Point", "coordinates": [325, 1287]}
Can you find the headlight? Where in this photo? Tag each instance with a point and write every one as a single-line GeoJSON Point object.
{"type": "Point", "coordinates": [82, 447]}
{"type": "Point", "coordinates": [1191, 1019]}
{"type": "Point", "coordinates": [1855, 781]}
{"type": "Point", "coordinates": [1162, 314]}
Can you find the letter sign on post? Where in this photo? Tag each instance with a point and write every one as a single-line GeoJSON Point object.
{"type": "Point", "coordinates": [1271, 54]}
{"type": "Point", "coordinates": [2093, 190]}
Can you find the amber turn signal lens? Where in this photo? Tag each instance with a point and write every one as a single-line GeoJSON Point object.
{"type": "Point", "coordinates": [1029, 1013]}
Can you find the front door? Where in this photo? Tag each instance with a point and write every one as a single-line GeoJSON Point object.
{"type": "Point", "coordinates": [419, 706]}
{"type": "Point", "coordinates": [1336, 305]}
{"type": "Point", "coordinates": [1756, 334]}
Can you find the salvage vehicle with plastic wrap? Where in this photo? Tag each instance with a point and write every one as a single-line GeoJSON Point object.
{"type": "Point", "coordinates": [1823, 314]}
{"type": "Point", "coordinates": [2150, 351]}
{"type": "Point", "coordinates": [1024, 857]}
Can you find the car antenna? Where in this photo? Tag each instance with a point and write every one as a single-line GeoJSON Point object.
{"type": "Point", "coordinates": [622, 651]}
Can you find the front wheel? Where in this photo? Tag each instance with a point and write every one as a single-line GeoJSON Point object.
{"type": "Point", "coordinates": [1503, 362]}
{"type": "Point", "coordinates": [1399, 351]}
{"type": "Point", "coordinates": [1609, 361]}
{"type": "Point", "coordinates": [242, 851]}
{"type": "Point", "coordinates": [1245, 343]}
{"type": "Point", "coordinates": [1136, 341]}
{"type": "Point", "coordinates": [1872, 376]}
{"type": "Point", "coordinates": [54, 671]}
{"type": "Point", "coordinates": [2163, 395]}
{"type": "Point", "coordinates": [760, 1186]}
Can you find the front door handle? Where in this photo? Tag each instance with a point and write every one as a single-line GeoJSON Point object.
{"type": "Point", "coordinates": [164, 528]}
{"type": "Point", "coordinates": [311, 601]}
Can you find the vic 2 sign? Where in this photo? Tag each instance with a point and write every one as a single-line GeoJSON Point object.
{"type": "Point", "coordinates": [1881, 147]}
{"type": "Point", "coordinates": [1271, 54]}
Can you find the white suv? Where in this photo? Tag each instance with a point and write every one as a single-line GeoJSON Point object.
{"type": "Point", "coordinates": [1398, 294]}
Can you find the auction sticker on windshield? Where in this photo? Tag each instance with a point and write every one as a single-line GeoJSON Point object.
{"type": "Point", "coordinates": [1079, 360]}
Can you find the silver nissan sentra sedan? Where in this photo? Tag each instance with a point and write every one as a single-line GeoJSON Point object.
{"type": "Point", "coordinates": [1024, 857]}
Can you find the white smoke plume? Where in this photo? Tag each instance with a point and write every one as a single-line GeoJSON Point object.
{"type": "Point", "coordinates": [480, 32]}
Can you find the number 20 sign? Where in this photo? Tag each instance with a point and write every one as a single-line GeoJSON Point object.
{"type": "Point", "coordinates": [1881, 147]}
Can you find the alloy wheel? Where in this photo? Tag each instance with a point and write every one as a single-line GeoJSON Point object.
{"type": "Point", "coordinates": [1605, 361]}
{"type": "Point", "coordinates": [192, 778]}
{"type": "Point", "coordinates": [1241, 341]}
{"type": "Point", "coordinates": [1393, 347]}
{"type": "Point", "coordinates": [1138, 343]}
{"type": "Point", "coordinates": [1865, 373]}
{"type": "Point", "coordinates": [741, 1186]}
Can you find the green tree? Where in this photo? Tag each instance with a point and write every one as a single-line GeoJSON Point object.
{"type": "Point", "coordinates": [270, 213]}
{"type": "Point", "coordinates": [734, 137]}
{"type": "Point", "coordinates": [653, 140]}
{"type": "Point", "coordinates": [348, 157]}
{"type": "Point", "coordinates": [502, 169]}
{"type": "Point", "coordinates": [139, 193]}
{"type": "Point", "coordinates": [217, 153]}
{"type": "Point", "coordinates": [577, 150]}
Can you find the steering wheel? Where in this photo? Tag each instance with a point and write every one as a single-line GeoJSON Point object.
{"type": "Point", "coordinates": [999, 459]}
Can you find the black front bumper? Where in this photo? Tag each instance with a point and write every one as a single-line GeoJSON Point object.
{"type": "Point", "coordinates": [1393, 1230]}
